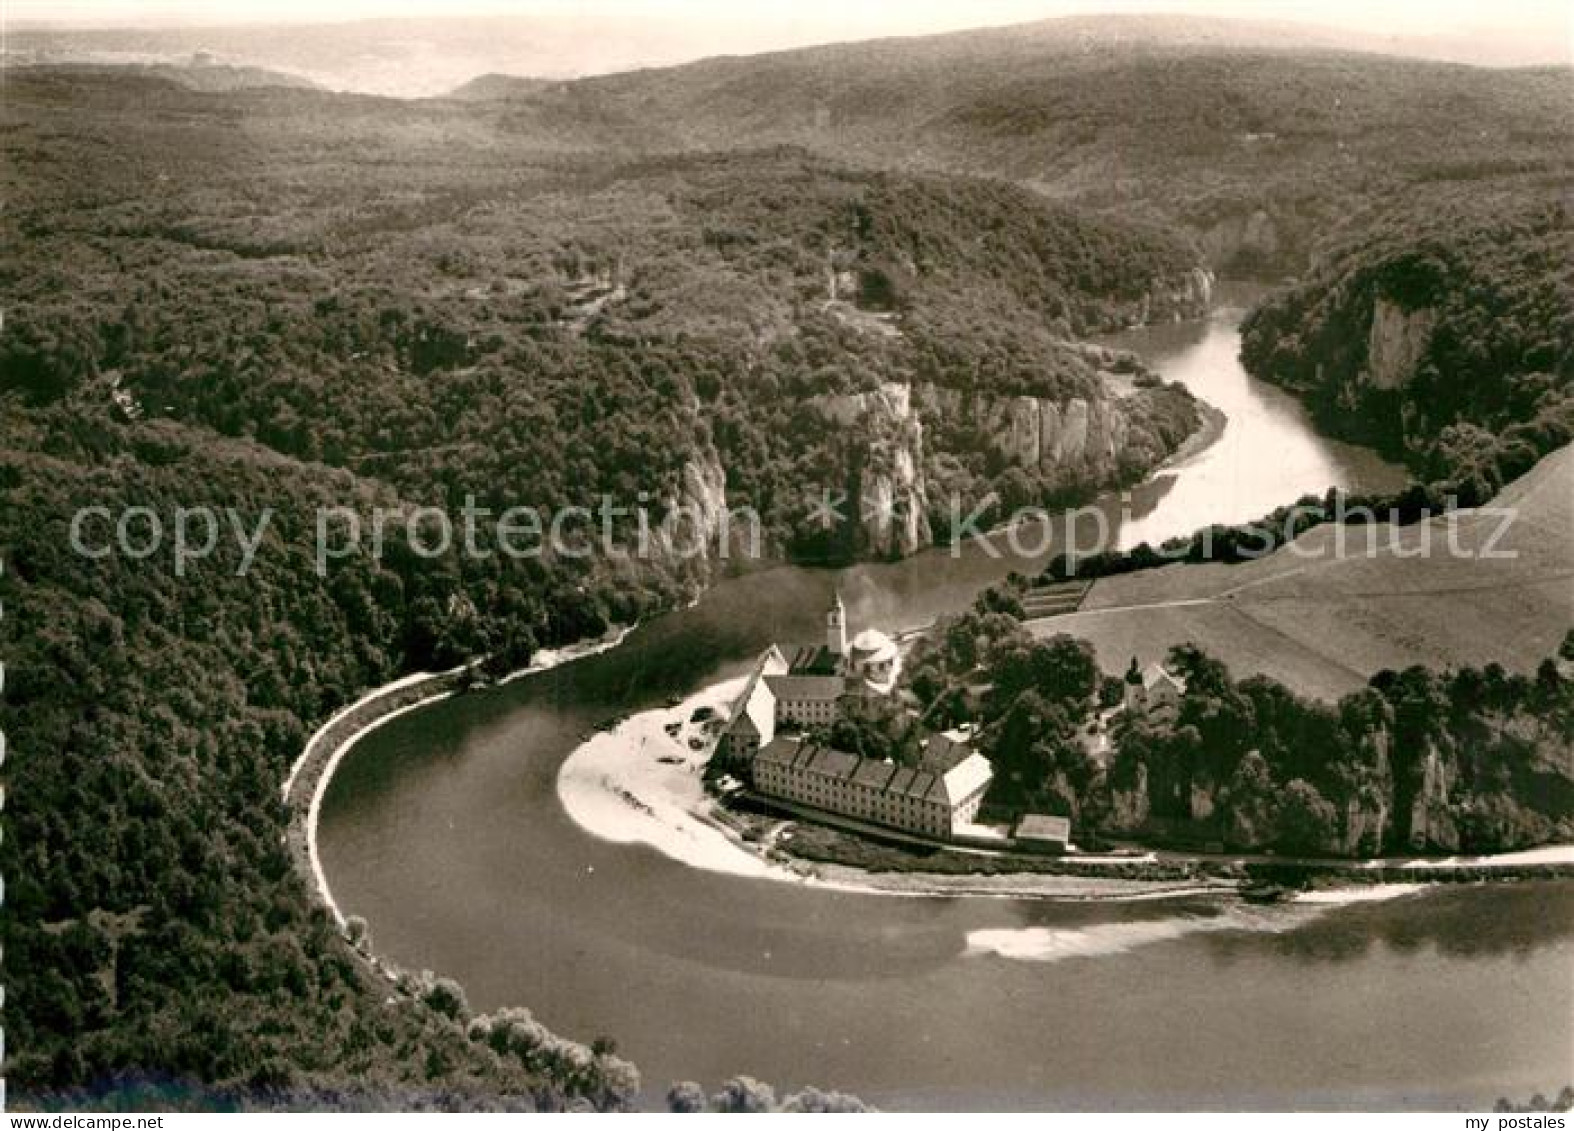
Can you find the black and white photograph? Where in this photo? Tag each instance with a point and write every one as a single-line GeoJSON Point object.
{"type": "Point", "coordinates": [852, 556]}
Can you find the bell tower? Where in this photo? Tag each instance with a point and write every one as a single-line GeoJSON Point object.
{"type": "Point", "coordinates": [836, 627]}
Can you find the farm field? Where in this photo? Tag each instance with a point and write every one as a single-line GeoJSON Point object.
{"type": "Point", "coordinates": [1323, 621]}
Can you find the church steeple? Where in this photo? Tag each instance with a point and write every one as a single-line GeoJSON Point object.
{"type": "Point", "coordinates": [836, 627]}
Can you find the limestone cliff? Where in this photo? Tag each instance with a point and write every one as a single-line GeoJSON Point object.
{"type": "Point", "coordinates": [1440, 339]}
{"type": "Point", "coordinates": [894, 433]}
{"type": "Point", "coordinates": [1431, 821]}
{"type": "Point", "coordinates": [1398, 340]}
{"type": "Point", "coordinates": [703, 492]}
{"type": "Point", "coordinates": [886, 495]}
{"type": "Point", "coordinates": [1037, 431]}
{"type": "Point", "coordinates": [1096, 440]}
{"type": "Point", "coordinates": [1176, 298]}
{"type": "Point", "coordinates": [694, 521]}
{"type": "Point", "coordinates": [1130, 806]}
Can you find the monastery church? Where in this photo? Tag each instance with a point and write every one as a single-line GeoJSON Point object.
{"type": "Point", "coordinates": [795, 689]}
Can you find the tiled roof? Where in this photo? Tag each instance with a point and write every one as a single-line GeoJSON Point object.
{"type": "Point", "coordinates": [823, 761]}
{"type": "Point", "coordinates": [828, 763]}
{"type": "Point", "coordinates": [872, 773]}
{"type": "Point", "coordinates": [755, 709]}
{"type": "Point", "coordinates": [942, 752]}
{"type": "Point", "coordinates": [811, 659]}
{"type": "Point", "coordinates": [1157, 674]}
{"type": "Point", "coordinates": [920, 785]}
{"type": "Point", "coordinates": [779, 751]}
{"type": "Point", "coordinates": [820, 687]}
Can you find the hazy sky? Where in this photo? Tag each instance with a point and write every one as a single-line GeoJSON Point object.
{"type": "Point", "coordinates": [804, 20]}
{"type": "Point", "coordinates": [571, 38]}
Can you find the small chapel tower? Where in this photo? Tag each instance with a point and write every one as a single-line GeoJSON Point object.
{"type": "Point", "coordinates": [1133, 691]}
{"type": "Point", "coordinates": [836, 627]}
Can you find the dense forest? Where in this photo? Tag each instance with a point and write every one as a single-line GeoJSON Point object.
{"type": "Point", "coordinates": [1444, 336]}
{"type": "Point", "coordinates": [1469, 760]}
{"type": "Point", "coordinates": [222, 301]}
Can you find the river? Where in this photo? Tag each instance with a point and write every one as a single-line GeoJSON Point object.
{"type": "Point", "coordinates": [443, 829]}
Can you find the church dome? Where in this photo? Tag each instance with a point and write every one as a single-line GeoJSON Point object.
{"type": "Point", "coordinates": [873, 646]}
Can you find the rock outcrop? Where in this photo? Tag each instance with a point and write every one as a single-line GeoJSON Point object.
{"type": "Point", "coordinates": [1398, 341]}
{"type": "Point", "coordinates": [1176, 299]}
{"type": "Point", "coordinates": [1130, 805]}
{"type": "Point", "coordinates": [1431, 823]}
{"type": "Point", "coordinates": [886, 495]}
{"type": "Point", "coordinates": [1084, 437]}
{"type": "Point", "coordinates": [1088, 441]}
{"type": "Point", "coordinates": [696, 522]}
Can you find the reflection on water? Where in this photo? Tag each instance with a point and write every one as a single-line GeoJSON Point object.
{"type": "Point", "coordinates": [443, 829]}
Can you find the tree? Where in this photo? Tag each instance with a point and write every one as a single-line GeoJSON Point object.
{"type": "Point", "coordinates": [1249, 807]}
{"type": "Point", "coordinates": [873, 728]}
{"type": "Point", "coordinates": [1004, 599]}
{"type": "Point", "coordinates": [685, 1097]}
{"type": "Point", "coordinates": [1062, 669]}
{"type": "Point", "coordinates": [358, 934]}
{"type": "Point", "coordinates": [814, 1100]}
{"type": "Point", "coordinates": [1307, 822]}
{"type": "Point", "coordinates": [744, 1095]}
{"type": "Point", "coordinates": [1041, 758]}
{"type": "Point", "coordinates": [447, 997]}
{"type": "Point", "coordinates": [616, 1082]}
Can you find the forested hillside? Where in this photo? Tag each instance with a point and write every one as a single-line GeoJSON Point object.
{"type": "Point", "coordinates": [1444, 336]}
{"type": "Point", "coordinates": [277, 301]}
{"type": "Point", "coordinates": [1256, 148]}
{"type": "Point", "coordinates": [457, 321]}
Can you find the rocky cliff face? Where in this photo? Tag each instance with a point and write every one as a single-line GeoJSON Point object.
{"type": "Point", "coordinates": [1398, 340]}
{"type": "Point", "coordinates": [695, 521]}
{"type": "Point", "coordinates": [1088, 441]}
{"type": "Point", "coordinates": [1431, 823]}
{"type": "Point", "coordinates": [1176, 299]}
{"type": "Point", "coordinates": [886, 496]}
{"type": "Point", "coordinates": [703, 492]}
{"type": "Point", "coordinates": [1082, 434]}
{"type": "Point", "coordinates": [1129, 803]}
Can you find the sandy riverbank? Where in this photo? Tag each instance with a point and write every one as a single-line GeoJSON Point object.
{"type": "Point", "coordinates": [642, 783]}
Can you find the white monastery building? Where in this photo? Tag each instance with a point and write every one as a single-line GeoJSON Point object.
{"type": "Point", "coordinates": [933, 799]}
{"type": "Point", "coordinates": [798, 688]}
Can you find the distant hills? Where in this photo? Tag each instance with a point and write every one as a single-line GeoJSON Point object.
{"type": "Point", "coordinates": [1250, 141]}
{"type": "Point", "coordinates": [1256, 140]}
{"type": "Point", "coordinates": [424, 57]}
{"type": "Point", "coordinates": [195, 74]}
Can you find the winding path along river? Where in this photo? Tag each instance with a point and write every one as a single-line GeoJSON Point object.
{"type": "Point", "coordinates": [444, 830]}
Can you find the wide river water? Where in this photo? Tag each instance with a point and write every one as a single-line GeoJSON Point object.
{"type": "Point", "coordinates": [444, 830]}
